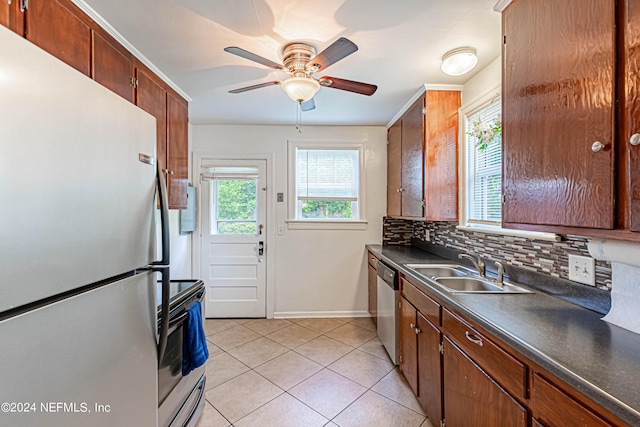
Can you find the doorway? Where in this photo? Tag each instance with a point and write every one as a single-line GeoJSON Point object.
{"type": "Point", "coordinates": [234, 235]}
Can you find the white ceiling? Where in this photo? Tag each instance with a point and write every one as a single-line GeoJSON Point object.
{"type": "Point", "coordinates": [400, 45]}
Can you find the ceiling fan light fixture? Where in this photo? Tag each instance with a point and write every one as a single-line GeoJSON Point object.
{"type": "Point", "coordinates": [300, 89]}
{"type": "Point", "coordinates": [459, 61]}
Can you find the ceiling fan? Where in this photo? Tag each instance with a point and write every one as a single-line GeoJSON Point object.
{"type": "Point", "coordinates": [300, 61]}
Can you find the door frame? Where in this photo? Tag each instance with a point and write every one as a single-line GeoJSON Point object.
{"type": "Point", "coordinates": [196, 241]}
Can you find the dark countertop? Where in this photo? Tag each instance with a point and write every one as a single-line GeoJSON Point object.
{"type": "Point", "coordinates": [599, 359]}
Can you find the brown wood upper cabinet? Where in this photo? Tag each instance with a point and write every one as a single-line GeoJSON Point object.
{"type": "Point", "coordinates": [62, 29]}
{"type": "Point", "coordinates": [177, 160]}
{"type": "Point", "coordinates": [405, 173]}
{"type": "Point", "coordinates": [422, 156]}
{"type": "Point", "coordinates": [171, 113]}
{"type": "Point", "coordinates": [441, 155]}
{"type": "Point", "coordinates": [569, 165]}
{"type": "Point", "coordinates": [112, 65]}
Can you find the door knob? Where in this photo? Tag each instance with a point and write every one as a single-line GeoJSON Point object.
{"type": "Point", "coordinates": [635, 139]}
{"type": "Point", "coordinates": [260, 248]}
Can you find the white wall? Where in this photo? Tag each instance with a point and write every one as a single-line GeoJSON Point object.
{"type": "Point", "coordinates": [316, 272]}
{"type": "Point", "coordinates": [488, 79]}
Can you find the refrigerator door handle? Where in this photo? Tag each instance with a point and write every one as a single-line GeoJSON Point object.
{"type": "Point", "coordinates": [164, 218]}
{"type": "Point", "coordinates": [162, 266]}
{"type": "Point", "coordinates": [164, 319]}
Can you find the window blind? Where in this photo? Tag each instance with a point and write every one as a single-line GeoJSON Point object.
{"type": "Point", "coordinates": [327, 174]}
{"type": "Point", "coordinates": [484, 170]}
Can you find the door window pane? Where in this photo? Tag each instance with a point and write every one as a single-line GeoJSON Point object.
{"type": "Point", "coordinates": [234, 209]}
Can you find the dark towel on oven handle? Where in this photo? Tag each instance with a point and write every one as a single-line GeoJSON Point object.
{"type": "Point", "coordinates": [194, 342]}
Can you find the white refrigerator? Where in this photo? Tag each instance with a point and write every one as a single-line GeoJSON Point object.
{"type": "Point", "coordinates": [78, 334]}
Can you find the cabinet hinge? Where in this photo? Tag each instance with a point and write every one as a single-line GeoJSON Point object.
{"type": "Point", "coordinates": [24, 5]}
{"type": "Point", "coordinates": [424, 111]}
{"type": "Point", "coordinates": [400, 359]}
{"type": "Point", "coordinates": [399, 304]}
{"type": "Point", "coordinates": [442, 423]}
{"type": "Point", "coordinates": [503, 198]}
{"type": "Point", "coordinates": [504, 40]}
{"type": "Point", "coordinates": [441, 347]}
{"type": "Point", "coordinates": [134, 82]}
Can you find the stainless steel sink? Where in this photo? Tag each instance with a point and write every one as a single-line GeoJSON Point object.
{"type": "Point", "coordinates": [470, 285]}
{"type": "Point", "coordinates": [439, 270]}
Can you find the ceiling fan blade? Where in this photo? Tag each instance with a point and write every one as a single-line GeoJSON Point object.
{"type": "Point", "coordinates": [308, 105]}
{"type": "Point", "coordinates": [348, 85]}
{"type": "Point", "coordinates": [258, 86]}
{"type": "Point", "coordinates": [338, 50]}
{"type": "Point", "coordinates": [253, 57]}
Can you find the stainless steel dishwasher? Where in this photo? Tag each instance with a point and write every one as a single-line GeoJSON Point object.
{"type": "Point", "coordinates": [388, 294]}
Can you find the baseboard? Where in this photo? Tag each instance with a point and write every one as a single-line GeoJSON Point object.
{"type": "Point", "coordinates": [318, 314]}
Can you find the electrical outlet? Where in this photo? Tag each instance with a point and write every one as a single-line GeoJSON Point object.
{"type": "Point", "coordinates": [582, 269]}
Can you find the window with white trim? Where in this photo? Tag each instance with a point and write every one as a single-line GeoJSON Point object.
{"type": "Point", "coordinates": [325, 183]}
{"type": "Point", "coordinates": [484, 166]}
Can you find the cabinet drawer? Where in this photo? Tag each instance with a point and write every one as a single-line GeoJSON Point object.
{"type": "Point", "coordinates": [509, 372]}
{"type": "Point", "coordinates": [373, 261]}
{"type": "Point", "coordinates": [553, 407]}
{"type": "Point", "coordinates": [425, 305]}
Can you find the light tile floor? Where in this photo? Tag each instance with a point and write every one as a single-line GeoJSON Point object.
{"type": "Point", "coordinates": [303, 373]}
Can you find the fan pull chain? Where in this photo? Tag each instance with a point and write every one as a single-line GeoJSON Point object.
{"type": "Point", "coordinates": [299, 116]}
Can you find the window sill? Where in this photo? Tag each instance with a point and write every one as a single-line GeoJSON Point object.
{"type": "Point", "coordinates": [533, 235]}
{"type": "Point", "coordinates": [326, 225]}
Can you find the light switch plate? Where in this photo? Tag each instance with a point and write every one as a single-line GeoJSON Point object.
{"type": "Point", "coordinates": [582, 269]}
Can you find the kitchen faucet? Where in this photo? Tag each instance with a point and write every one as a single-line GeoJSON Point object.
{"type": "Point", "coordinates": [500, 279]}
{"type": "Point", "coordinates": [479, 265]}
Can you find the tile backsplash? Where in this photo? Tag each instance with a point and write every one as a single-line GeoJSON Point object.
{"type": "Point", "coordinates": [535, 255]}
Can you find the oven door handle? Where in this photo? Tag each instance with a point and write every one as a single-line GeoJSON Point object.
{"type": "Point", "coordinates": [178, 320]}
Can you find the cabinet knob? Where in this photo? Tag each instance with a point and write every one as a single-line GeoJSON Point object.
{"type": "Point", "coordinates": [635, 139]}
{"type": "Point", "coordinates": [411, 325]}
{"type": "Point", "coordinates": [597, 146]}
{"type": "Point", "coordinates": [418, 331]}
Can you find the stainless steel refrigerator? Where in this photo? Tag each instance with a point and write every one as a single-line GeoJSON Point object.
{"type": "Point", "coordinates": [78, 270]}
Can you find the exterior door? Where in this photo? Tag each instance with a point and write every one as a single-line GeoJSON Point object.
{"type": "Point", "coordinates": [234, 237]}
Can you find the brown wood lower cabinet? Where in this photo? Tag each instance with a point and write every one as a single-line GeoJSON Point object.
{"type": "Point", "coordinates": [421, 361]}
{"type": "Point", "coordinates": [463, 374]}
{"type": "Point", "coordinates": [472, 398]}
{"type": "Point", "coordinates": [373, 287]}
{"type": "Point", "coordinates": [554, 407]}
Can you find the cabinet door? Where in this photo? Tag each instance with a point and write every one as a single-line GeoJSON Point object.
{"type": "Point", "coordinates": [409, 344]}
{"type": "Point", "coordinates": [5, 8]}
{"type": "Point", "coordinates": [60, 28]}
{"type": "Point", "coordinates": [558, 97]}
{"type": "Point", "coordinates": [429, 369]}
{"type": "Point", "coordinates": [394, 169]}
{"type": "Point", "coordinates": [177, 152]}
{"type": "Point", "coordinates": [152, 98]}
{"type": "Point", "coordinates": [412, 161]}
{"type": "Point", "coordinates": [471, 398]}
{"type": "Point", "coordinates": [11, 16]}
{"type": "Point", "coordinates": [631, 114]}
{"type": "Point", "coordinates": [554, 407]}
{"type": "Point", "coordinates": [441, 155]}
{"type": "Point", "coordinates": [112, 65]}
{"type": "Point", "coordinates": [373, 293]}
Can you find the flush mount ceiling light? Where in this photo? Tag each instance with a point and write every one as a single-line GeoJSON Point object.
{"type": "Point", "coordinates": [459, 61]}
{"type": "Point", "coordinates": [300, 89]}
